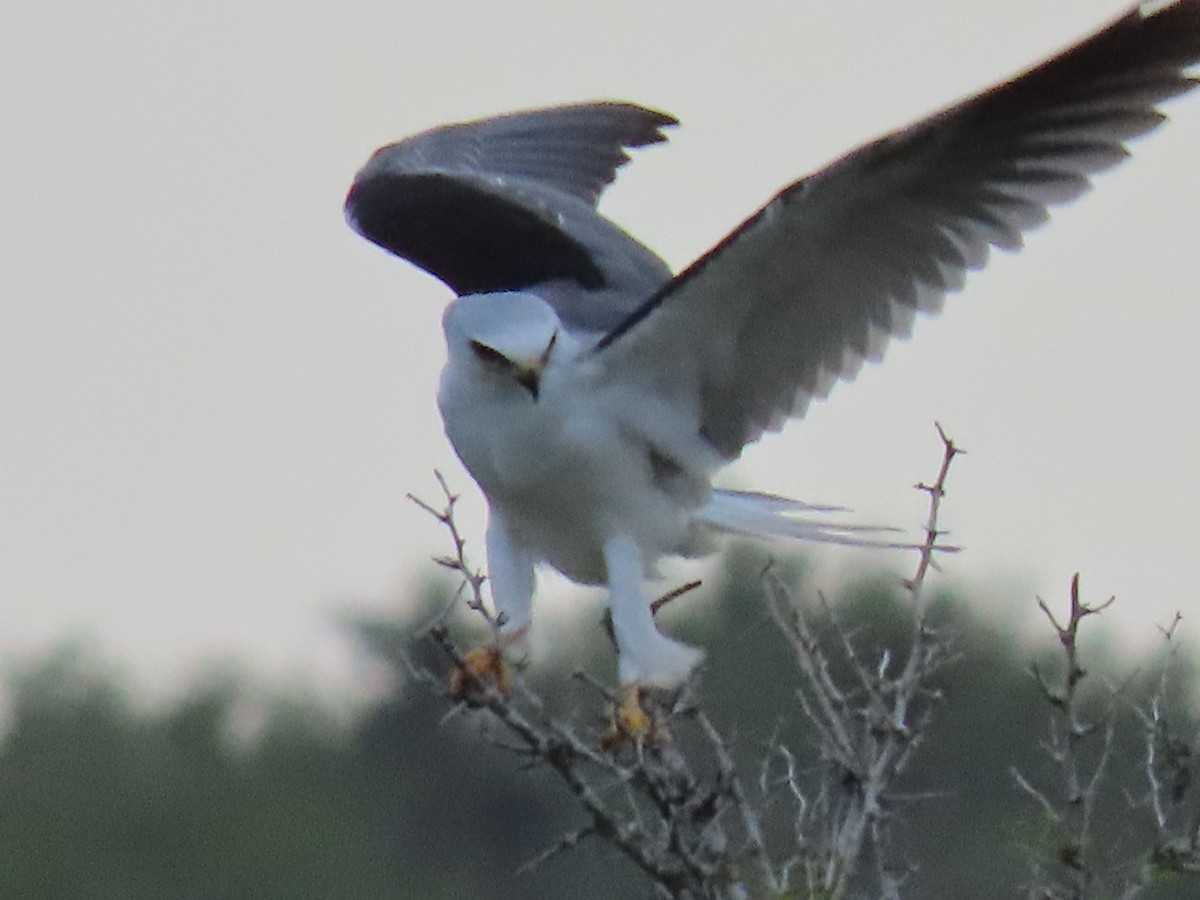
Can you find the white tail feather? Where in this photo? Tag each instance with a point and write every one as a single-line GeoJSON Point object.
{"type": "Point", "coordinates": [772, 516]}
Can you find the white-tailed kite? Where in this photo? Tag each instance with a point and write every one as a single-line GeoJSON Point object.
{"type": "Point", "coordinates": [593, 395]}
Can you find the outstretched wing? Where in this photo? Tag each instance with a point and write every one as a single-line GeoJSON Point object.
{"type": "Point", "coordinates": [819, 279]}
{"type": "Point", "coordinates": [509, 203]}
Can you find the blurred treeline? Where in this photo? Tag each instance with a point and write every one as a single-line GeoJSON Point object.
{"type": "Point", "coordinates": [101, 798]}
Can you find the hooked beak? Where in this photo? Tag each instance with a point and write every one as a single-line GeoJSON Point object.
{"type": "Point", "coordinates": [530, 378]}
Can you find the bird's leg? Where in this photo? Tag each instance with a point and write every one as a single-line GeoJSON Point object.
{"type": "Point", "coordinates": [644, 655]}
{"type": "Point", "coordinates": [510, 571]}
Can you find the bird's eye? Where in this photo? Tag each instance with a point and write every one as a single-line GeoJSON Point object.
{"type": "Point", "coordinates": [489, 355]}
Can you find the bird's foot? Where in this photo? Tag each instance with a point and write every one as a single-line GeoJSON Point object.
{"type": "Point", "coordinates": [491, 666]}
{"type": "Point", "coordinates": [631, 716]}
{"type": "Point", "coordinates": [481, 669]}
{"type": "Point", "coordinates": [635, 723]}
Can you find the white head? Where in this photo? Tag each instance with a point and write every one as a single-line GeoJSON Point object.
{"type": "Point", "coordinates": [510, 335]}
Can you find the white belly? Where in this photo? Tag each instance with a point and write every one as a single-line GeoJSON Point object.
{"type": "Point", "coordinates": [564, 476]}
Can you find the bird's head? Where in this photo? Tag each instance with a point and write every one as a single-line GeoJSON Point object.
{"type": "Point", "coordinates": [509, 335]}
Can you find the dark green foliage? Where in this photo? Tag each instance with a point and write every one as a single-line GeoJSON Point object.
{"type": "Point", "coordinates": [100, 799]}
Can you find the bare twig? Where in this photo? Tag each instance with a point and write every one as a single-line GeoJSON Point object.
{"type": "Point", "coordinates": [1070, 800]}
{"type": "Point", "coordinates": [1171, 760]}
{"type": "Point", "coordinates": [473, 578]}
{"type": "Point", "coordinates": [867, 729]}
{"type": "Point", "coordinates": [669, 798]}
{"type": "Point", "coordinates": [1080, 749]}
{"type": "Point", "coordinates": [936, 492]}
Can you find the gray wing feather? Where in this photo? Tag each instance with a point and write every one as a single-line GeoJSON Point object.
{"type": "Point", "coordinates": [508, 203]}
{"type": "Point", "coordinates": [820, 278]}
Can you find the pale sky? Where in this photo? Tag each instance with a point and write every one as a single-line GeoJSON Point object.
{"type": "Point", "coordinates": [214, 396]}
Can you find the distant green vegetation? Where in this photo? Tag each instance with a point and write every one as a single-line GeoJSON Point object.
{"type": "Point", "coordinates": [99, 799]}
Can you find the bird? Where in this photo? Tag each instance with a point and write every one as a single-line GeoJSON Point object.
{"type": "Point", "coordinates": [593, 394]}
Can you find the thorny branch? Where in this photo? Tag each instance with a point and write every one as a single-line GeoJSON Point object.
{"type": "Point", "coordinates": [1072, 734]}
{"type": "Point", "coordinates": [1080, 750]}
{"type": "Point", "coordinates": [472, 579]}
{"type": "Point", "coordinates": [671, 800]}
{"type": "Point", "coordinates": [867, 725]}
{"type": "Point", "coordinates": [1170, 771]}
{"type": "Point", "coordinates": [642, 797]}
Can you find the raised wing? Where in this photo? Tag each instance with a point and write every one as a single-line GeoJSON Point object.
{"type": "Point", "coordinates": [819, 279]}
{"type": "Point", "coordinates": [508, 203]}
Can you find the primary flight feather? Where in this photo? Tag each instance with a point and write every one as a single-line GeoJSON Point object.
{"type": "Point", "coordinates": [592, 395]}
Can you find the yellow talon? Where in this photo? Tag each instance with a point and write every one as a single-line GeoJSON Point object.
{"type": "Point", "coordinates": [481, 667]}
{"type": "Point", "coordinates": [634, 725]}
{"type": "Point", "coordinates": [631, 717]}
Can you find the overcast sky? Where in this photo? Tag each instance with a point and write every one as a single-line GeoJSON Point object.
{"type": "Point", "coordinates": [213, 396]}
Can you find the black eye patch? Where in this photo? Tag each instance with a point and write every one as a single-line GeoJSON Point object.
{"type": "Point", "coordinates": [490, 355]}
